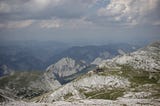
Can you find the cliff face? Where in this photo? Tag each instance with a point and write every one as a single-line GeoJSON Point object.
{"type": "Point", "coordinates": [66, 66]}
{"type": "Point", "coordinates": [65, 70]}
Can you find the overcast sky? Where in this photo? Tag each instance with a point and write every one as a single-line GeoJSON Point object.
{"type": "Point", "coordinates": [92, 21]}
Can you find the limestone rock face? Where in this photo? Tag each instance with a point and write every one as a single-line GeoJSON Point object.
{"type": "Point", "coordinates": [63, 68]}
{"type": "Point", "coordinates": [147, 59]}
{"type": "Point", "coordinates": [66, 66]}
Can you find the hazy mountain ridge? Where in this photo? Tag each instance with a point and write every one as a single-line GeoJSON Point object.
{"type": "Point", "coordinates": [38, 55]}
{"type": "Point", "coordinates": [31, 55]}
{"type": "Point", "coordinates": [90, 53]}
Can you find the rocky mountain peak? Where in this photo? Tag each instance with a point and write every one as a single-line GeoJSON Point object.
{"type": "Point", "coordinates": [66, 66]}
{"type": "Point", "coordinates": [65, 62]}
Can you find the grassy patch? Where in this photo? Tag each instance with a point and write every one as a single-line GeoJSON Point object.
{"type": "Point", "coordinates": [82, 90]}
{"type": "Point", "coordinates": [139, 76]}
{"type": "Point", "coordinates": [19, 79]}
{"type": "Point", "coordinates": [67, 96]}
{"type": "Point", "coordinates": [109, 73]}
{"type": "Point", "coordinates": [143, 80]}
{"type": "Point", "coordinates": [105, 94]}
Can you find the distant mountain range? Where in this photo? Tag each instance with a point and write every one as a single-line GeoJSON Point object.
{"type": "Point", "coordinates": [89, 53]}
{"type": "Point", "coordinates": [23, 56]}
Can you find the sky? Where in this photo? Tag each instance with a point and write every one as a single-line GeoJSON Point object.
{"type": "Point", "coordinates": [83, 21]}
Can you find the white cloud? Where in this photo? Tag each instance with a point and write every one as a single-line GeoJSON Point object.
{"type": "Point", "coordinates": [70, 13]}
{"type": "Point", "coordinates": [16, 24]}
{"type": "Point", "coordinates": [38, 5]}
{"type": "Point", "coordinates": [131, 12]}
{"type": "Point", "coordinates": [79, 23]}
{"type": "Point", "coordinates": [53, 23]}
{"type": "Point", "coordinates": [65, 23]}
{"type": "Point", "coordinates": [27, 5]}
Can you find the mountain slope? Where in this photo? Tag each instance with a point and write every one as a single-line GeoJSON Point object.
{"type": "Point", "coordinates": [147, 58]}
{"type": "Point", "coordinates": [116, 79]}
{"type": "Point", "coordinates": [83, 88]}
{"type": "Point", "coordinates": [23, 85]}
{"type": "Point", "coordinates": [67, 69]}
{"type": "Point", "coordinates": [27, 85]}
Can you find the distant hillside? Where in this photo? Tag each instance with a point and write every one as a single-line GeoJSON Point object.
{"type": "Point", "coordinates": [90, 53]}
{"type": "Point", "coordinates": [29, 55]}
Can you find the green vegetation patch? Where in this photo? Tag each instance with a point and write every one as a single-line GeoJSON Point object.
{"type": "Point", "coordinates": [143, 80]}
{"type": "Point", "coordinates": [139, 76]}
{"type": "Point", "coordinates": [19, 79]}
{"type": "Point", "coordinates": [105, 94]}
{"type": "Point", "coordinates": [109, 73]}
{"type": "Point", "coordinates": [67, 96]}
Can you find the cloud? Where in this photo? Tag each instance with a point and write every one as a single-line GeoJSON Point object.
{"type": "Point", "coordinates": [4, 8]}
{"type": "Point", "coordinates": [40, 5]}
{"type": "Point", "coordinates": [64, 23]}
{"type": "Point", "coordinates": [53, 23]}
{"type": "Point", "coordinates": [44, 9]}
{"type": "Point", "coordinates": [157, 23]}
{"type": "Point", "coordinates": [130, 12]}
{"type": "Point", "coordinates": [81, 23]}
{"type": "Point", "coordinates": [16, 24]}
{"type": "Point", "coordinates": [78, 13]}
{"type": "Point", "coordinates": [46, 13]}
